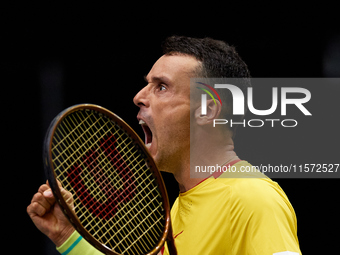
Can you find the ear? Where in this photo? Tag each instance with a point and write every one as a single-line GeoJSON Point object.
{"type": "Point", "coordinates": [213, 111]}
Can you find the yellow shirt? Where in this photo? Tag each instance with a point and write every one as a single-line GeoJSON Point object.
{"type": "Point", "coordinates": [234, 216]}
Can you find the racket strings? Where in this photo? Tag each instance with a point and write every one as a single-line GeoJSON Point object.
{"type": "Point", "coordinates": [115, 180]}
{"type": "Point", "coordinates": [134, 223]}
{"type": "Point", "coordinates": [143, 216]}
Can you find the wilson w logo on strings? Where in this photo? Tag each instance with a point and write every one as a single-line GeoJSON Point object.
{"type": "Point", "coordinates": [96, 162]}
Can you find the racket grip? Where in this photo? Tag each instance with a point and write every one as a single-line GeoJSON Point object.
{"type": "Point", "coordinates": [171, 242]}
{"type": "Point", "coordinates": [172, 247]}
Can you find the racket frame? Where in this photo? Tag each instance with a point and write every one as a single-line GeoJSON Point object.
{"type": "Point", "coordinates": [70, 215]}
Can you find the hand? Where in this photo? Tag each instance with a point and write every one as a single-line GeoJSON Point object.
{"type": "Point", "coordinates": [47, 215]}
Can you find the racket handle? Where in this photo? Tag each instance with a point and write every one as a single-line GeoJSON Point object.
{"type": "Point", "coordinates": [171, 242]}
{"type": "Point", "coordinates": [172, 247]}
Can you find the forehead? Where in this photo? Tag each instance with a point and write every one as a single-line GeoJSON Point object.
{"type": "Point", "coordinates": [173, 67]}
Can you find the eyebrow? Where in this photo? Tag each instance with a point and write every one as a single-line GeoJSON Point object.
{"type": "Point", "coordinates": [157, 79]}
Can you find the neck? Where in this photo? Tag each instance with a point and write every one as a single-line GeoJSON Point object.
{"type": "Point", "coordinates": [221, 155]}
{"type": "Point", "coordinates": [186, 183]}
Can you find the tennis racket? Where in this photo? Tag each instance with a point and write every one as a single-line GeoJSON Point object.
{"type": "Point", "coordinates": [120, 201]}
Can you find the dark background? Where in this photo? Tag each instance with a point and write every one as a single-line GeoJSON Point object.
{"type": "Point", "coordinates": [54, 56]}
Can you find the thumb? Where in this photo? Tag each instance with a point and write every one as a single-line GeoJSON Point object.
{"type": "Point", "coordinates": [48, 193]}
{"type": "Point", "coordinates": [67, 196]}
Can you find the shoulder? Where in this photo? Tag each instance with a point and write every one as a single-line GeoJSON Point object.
{"type": "Point", "coordinates": [260, 211]}
{"type": "Point", "coordinates": [255, 191]}
{"type": "Point", "coordinates": [260, 200]}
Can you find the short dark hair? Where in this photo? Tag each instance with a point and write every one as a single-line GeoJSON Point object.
{"type": "Point", "coordinates": [219, 60]}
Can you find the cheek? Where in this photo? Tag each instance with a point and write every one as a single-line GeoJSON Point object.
{"type": "Point", "coordinates": [177, 114]}
{"type": "Point", "coordinates": [172, 120]}
{"type": "Point", "coordinates": [178, 124]}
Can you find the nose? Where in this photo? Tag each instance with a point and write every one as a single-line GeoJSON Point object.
{"type": "Point", "coordinates": [141, 98]}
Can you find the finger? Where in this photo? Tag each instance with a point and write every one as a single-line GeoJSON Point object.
{"type": "Point", "coordinates": [46, 191]}
{"type": "Point", "coordinates": [68, 197]}
{"type": "Point", "coordinates": [59, 183]}
{"type": "Point", "coordinates": [44, 201]}
{"type": "Point", "coordinates": [36, 209]}
{"type": "Point", "coordinates": [48, 187]}
{"type": "Point", "coordinates": [43, 188]}
{"type": "Point", "coordinates": [39, 205]}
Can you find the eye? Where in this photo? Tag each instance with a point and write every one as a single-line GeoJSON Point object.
{"type": "Point", "coordinates": [161, 87]}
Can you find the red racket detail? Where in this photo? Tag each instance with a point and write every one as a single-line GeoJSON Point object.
{"type": "Point", "coordinates": [114, 196]}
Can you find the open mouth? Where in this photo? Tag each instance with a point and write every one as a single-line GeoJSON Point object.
{"type": "Point", "coordinates": [147, 133]}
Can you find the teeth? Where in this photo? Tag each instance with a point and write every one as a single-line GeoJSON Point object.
{"type": "Point", "coordinates": [148, 145]}
{"type": "Point", "coordinates": [141, 122]}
